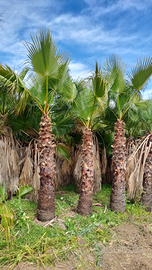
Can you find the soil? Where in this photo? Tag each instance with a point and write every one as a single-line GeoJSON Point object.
{"type": "Point", "coordinates": [129, 249]}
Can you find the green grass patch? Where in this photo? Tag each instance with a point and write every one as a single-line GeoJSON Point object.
{"type": "Point", "coordinates": [32, 242]}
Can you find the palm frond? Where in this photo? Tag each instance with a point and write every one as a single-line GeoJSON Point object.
{"type": "Point", "coordinates": [63, 150]}
{"type": "Point", "coordinates": [62, 125]}
{"type": "Point", "coordinates": [43, 54]}
{"type": "Point", "coordinates": [65, 87]}
{"type": "Point", "coordinates": [83, 106]}
{"type": "Point", "coordinates": [141, 73]}
{"type": "Point", "coordinates": [98, 82]}
{"type": "Point", "coordinates": [11, 79]}
{"type": "Point", "coordinates": [114, 72]}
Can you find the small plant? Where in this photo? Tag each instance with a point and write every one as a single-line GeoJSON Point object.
{"type": "Point", "coordinates": [3, 195]}
{"type": "Point", "coordinates": [23, 191]}
{"type": "Point", "coordinates": [6, 215]}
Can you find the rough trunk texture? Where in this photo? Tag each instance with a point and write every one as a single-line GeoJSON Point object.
{"type": "Point", "coordinates": [46, 198]}
{"type": "Point", "coordinates": [118, 198]}
{"type": "Point", "coordinates": [147, 183]}
{"type": "Point", "coordinates": [76, 161]}
{"type": "Point", "coordinates": [85, 198]}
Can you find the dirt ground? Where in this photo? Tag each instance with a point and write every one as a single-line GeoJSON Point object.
{"type": "Point", "coordinates": [129, 249]}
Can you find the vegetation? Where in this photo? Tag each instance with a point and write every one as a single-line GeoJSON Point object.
{"type": "Point", "coordinates": [124, 94]}
{"type": "Point", "coordinates": [68, 234]}
{"type": "Point", "coordinates": [107, 108]}
{"type": "Point", "coordinates": [88, 107]}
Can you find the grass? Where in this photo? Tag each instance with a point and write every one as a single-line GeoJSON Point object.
{"type": "Point", "coordinates": [32, 242]}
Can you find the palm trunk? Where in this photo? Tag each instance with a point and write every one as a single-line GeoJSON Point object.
{"type": "Point", "coordinates": [85, 199]}
{"type": "Point", "coordinates": [46, 198]}
{"type": "Point", "coordinates": [118, 198]}
{"type": "Point", "coordinates": [147, 183]}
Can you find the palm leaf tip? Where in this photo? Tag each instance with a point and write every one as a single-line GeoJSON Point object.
{"type": "Point", "coordinates": [99, 83]}
{"type": "Point", "coordinates": [141, 73]}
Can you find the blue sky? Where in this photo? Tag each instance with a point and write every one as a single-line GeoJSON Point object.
{"type": "Point", "coordinates": [87, 30]}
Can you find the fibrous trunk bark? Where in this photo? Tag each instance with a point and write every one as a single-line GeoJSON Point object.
{"type": "Point", "coordinates": [85, 198]}
{"type": "Point", "coordinates": [46, 197]}
{"type": "Point", "coordinates": [118, 198]}
{"type": "Point", "coordinates": [147, 179]}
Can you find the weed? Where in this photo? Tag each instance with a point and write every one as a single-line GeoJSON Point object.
{"type": "Point", "coordinates": [45, 245]}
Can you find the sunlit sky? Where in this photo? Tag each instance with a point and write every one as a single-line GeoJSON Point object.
{"type": "Point", "coordinates": [86, 30]}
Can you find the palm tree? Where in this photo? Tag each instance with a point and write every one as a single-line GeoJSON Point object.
{"type": "Point", "coordinates": [123, 96]}
{"type": "Point", "coordinates": [48, 79]}
{"type": "Point", "coordinates": [138, 171]}
{"type": "Point", "coordinates": [51, 77]}
{"type": "Point", "coordinates": [87, 108]}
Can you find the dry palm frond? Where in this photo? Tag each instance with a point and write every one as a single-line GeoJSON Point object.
{"type": "Point", "coordinates": [77, 170]}
{"type": "Point", "coordinates": [9, 163]}
{"type": "Point", "coordinates": [27, 171]}
{"type": "Point", "coordinates": [63, 176]}
{"type": "Point", "coordinates": [36, 177]}
{"type": "Point", "coordinates": [135, 167]}
{"type": "Point", "coordinates": [30, 169]}
{"type": "Point", "coordinates": [130, 146]}
{"type": "Point", "coordinates": [104, 161]}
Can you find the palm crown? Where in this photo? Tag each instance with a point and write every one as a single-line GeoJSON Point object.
{"type": "Point", "coordinates": [91, 100]}
{"type": "Point", "coordinates": [125, 90]}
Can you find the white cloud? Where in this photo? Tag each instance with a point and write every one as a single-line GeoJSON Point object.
{"type": "Point", "coordinates": [98, 7]}
{"type": "Point", "coordinates": [66, 28]}
{"type": "Point", "coordinates": [85, 33]}
{"type": "Point", "coordinates": [78, 70]}
{"type": "Point", "coordinates": [147, 94]}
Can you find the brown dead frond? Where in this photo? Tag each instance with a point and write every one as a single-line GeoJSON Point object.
{"type": "Point", "coordinates": [27, 171]}
{"type": "Point", "coordinates": [104, 161]}
{"type": "Point", "coordinates": [9, 163]}
{"type": "Point", "coordinates": [135, 167]}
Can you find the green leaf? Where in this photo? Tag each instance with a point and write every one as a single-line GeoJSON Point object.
{"type": "Point", "coordinates": [83, 105]}
{"type": "Point", "coordinates": [99, 126]}
{"type": "Point", "coordinates": [3, 193]}
{"type": "Point", "coordinates": [6, 216]}
{"type": "Point", "coordinates": [141, 73]}
{"type": "Point", "coordinates": [114, 70]}
{"type": "Point", "coordinates": [63, 150]}
{"type": "Point", "coordinates": [43, 54]}
{"type": "Point", "coordinates": [23, 191]}
{"type": "Point", "coordinates": [62, 125]}
{"type": "Point", "coordinates": [99, 84]}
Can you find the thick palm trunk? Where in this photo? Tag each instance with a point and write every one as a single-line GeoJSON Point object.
{"type": "Point", "coordinates": [85, 198]}
{"type": "Point", "coordinates": [147, 183]}
{"type": "Point", "coordinates": [46, 199]}
{"type": "Point", "coordinates": [118, 198]}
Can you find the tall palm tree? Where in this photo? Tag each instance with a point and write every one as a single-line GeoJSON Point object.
{"type": "Point", "coordinates": [123, 97]}
{"type": "Point", "coordinates": [87, 108]}
{"type": "Point", "coordinates": [51, 76]}
{"type": "Point", "coordinates": [48, 79]}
